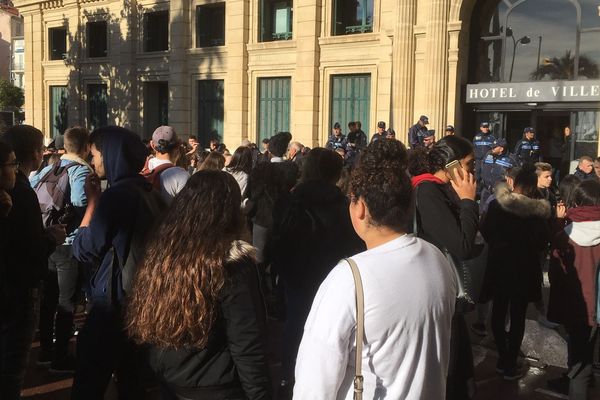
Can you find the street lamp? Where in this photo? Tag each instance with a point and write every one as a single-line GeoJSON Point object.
{"type": "Point", "coordinates": [523, 40]}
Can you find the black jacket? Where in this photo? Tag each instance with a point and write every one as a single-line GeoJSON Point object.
{"type": "Point", "coordinates": [25, 245]}
{"type": "Point", "coordinates": [446, 221]}
{"type": "Point", "coordinates": [312, 232]}
{"type": "Point", "coordinates": [268, 182]}
{"type": "Point", "coordinates": [517, 230]}
{"type": "Point", "coordinates": [233, 365]}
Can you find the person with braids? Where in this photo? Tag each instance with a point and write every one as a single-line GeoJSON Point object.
{"type": "Point", "coordinates": [448, 217]}
{"type": "Point", "coordinates": [196, 299]}
{"type": "Point", "coordinates": [409, 298]}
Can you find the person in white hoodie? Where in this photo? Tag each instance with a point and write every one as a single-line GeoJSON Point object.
{"type": "Point", "coordinates": [574, 284]}
{"type": "Point", "coordinates": [409, 291]}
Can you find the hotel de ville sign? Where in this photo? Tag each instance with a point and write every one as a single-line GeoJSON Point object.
{"type": "Point", "coordinates": [534, 92]}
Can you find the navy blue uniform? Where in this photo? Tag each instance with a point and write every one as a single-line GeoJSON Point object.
{"type": "Point", "coordinates": [527, 151]}
{"type": "Point", "coordinates": [493, 170]}
{"type": "Point", "coordinates": [415, 135]}
{"type": "Point", "coordinates": [336, 142]}
{"type": "Point", "coordinates": [482, 144]}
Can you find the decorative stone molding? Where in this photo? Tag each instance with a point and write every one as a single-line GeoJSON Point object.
{"type": "Point", "coordinates": [50, 4]}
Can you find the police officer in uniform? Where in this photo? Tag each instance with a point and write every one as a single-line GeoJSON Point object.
{"type": "Point", "coordinates": [381, 132]}
{"type": "Point", "coordinates": [482, 143]}
{"type": "Point", "coordinates": [417, 131]}
{"type": "Point", "coordinates": [494, 167]}
{"type": "Point", "coordinates": [338, 139]}
{"type": "Point", "coordinates": [527, 150]}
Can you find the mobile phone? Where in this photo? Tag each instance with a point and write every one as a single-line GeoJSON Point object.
{"type": "Point", "coordinates": [454, 169]}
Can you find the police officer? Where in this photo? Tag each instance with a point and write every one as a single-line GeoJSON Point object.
{"type": "Point", "coordinates": [381, 132]}
{"type": "Point", "coordinates": [449, 131]}
{"type": "Point", "coordinates": [337, 139]}
{"type": "Point", "coordinates": [496, 163]}
{"type": "Point", "coordinates": [427, 139]}
{"type": "Point", "coordinates": [527, 150]}
{"type": "Point", "coordinates": [482, 143]}
{"type": "Point", "coordinates": [416, 132]}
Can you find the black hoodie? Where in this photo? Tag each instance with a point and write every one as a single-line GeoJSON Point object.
{"type": "Point", "coordinates": [129, 206]}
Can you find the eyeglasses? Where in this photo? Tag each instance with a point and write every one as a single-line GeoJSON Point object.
{"type": "Point", "coordinates": [15, 165]}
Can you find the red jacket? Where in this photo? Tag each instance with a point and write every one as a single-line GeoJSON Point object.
{"type": "Point", "coordinates": [573, 273]}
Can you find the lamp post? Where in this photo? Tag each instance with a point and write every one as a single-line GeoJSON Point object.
{"type": "Point", "coordinates": [539, 52]}
{"type": "Point", "coordinates": [522, 40]}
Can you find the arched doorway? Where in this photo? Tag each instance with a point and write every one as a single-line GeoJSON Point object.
{"type": "Point", "coordinates": [536, 63]}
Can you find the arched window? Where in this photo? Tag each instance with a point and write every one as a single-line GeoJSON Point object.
{"type": "Point", "coordinates": [528, 40]}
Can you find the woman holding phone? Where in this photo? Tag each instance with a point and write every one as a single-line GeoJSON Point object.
{"type": "Point", "coordinates": [448, 217]}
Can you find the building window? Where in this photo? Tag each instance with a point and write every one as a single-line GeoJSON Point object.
{"type": "Point", "coordinates": [350, 100]}
{"type": "Point", "coordinates": [59, 117]}
{"type": "Point", "coordinates": [516, 45]}
{"type": "Point", "coordinates": [210, 25]}
{"type": "Point", "coordinates": [273, 106]}
{"type": "Point", "coordinates": [156, 31]}
{"type": "Point", "coordinates": [275, 20]}
{"type": "Point", "coordinates": [97, 39]}
{"type": "Point", "coordinates": [352, 16]}
{"type": "Point", "coordinates": [156, 106]}
{"type": "Point", "coordinates": [18, 50]}
{"type": "Point", "coordinates": [57, 39]}
{"type": "Point", "coordinates": [210, 110]}
{"type": "Point", "coordinates": [97, 99]}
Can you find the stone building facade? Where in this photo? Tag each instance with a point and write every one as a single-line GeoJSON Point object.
{"type": "Point", "coordinates": [248, 68]}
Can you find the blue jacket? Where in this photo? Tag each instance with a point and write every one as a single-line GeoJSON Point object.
{"type": "Point", "coordinates": [123, 209]}
{"type": "Point", "coordinates": [493, 168]}
{"type": "Point", "coordinates": [482, 144]}
{"type": "Point", "coordinates": [527, 151]}
{"type": "Point", "coordinates": [77, 175]}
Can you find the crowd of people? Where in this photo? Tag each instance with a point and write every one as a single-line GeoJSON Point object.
{"type": "Point", "coordinates": [180, 254]}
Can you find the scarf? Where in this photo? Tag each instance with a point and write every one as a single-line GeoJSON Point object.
{"type": "Point", "coordinates": [417, 180]}
{"type": "Point", "coordinates": [584, 213]}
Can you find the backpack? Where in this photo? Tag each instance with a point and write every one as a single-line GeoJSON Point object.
{"type": "Point", "coordinates": [150, 206]}
{"type": "Point", "coordinates": [153, 175]}
{"type": "Point", "coordinates": [54, 195]}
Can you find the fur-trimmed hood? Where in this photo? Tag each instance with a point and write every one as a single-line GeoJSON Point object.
{"type": "Point", "coordinates": [522, 206]}
{"type": "Point", "coordinates": [240, 250]}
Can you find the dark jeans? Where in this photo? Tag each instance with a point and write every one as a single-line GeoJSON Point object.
{"type": "Point", "coordinates": [460, 384]}
{"type": "Point", "coordinates": [297, 309]}
{"type": "Point", "coordinates": [508, 343]}
{"type": "Point", "coordinates": [16, 335]}
{"type": "Point", "coordinates": [103, 348]}
{"type": "Point", "coordinates": [582, 339]}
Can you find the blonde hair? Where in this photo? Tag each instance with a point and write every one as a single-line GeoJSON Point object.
{"type": "Point", "coordinates": [542, 167]}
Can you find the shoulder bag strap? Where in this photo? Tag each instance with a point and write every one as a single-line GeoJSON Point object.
{"type": "Point", "coordinates": [360, 328]}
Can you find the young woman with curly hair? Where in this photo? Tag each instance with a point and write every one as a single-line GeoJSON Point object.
{"type": "Point", "coordinates": [409, 297]}
{"type": "Point", "coordinates": [196, 298]}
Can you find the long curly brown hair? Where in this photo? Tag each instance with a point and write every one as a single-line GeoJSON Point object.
{"type": "Point", "coordinates": [174, 300]}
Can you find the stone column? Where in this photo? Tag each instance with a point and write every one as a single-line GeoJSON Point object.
{"type": "Point", "coordinates": [305, 83]}
{"type": "Point", "coordinates": [436, 65]}
{"type": "Point", "coordinates": [237, 32]}
{"type": "Point", "coordinates": [453, 75]}
{"type": "Point", "coordinates": [32, 37]}
{"type": "Point", "coordinates": [179, 90]}
{"type": "Point", "coordinates": [404, 63]}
